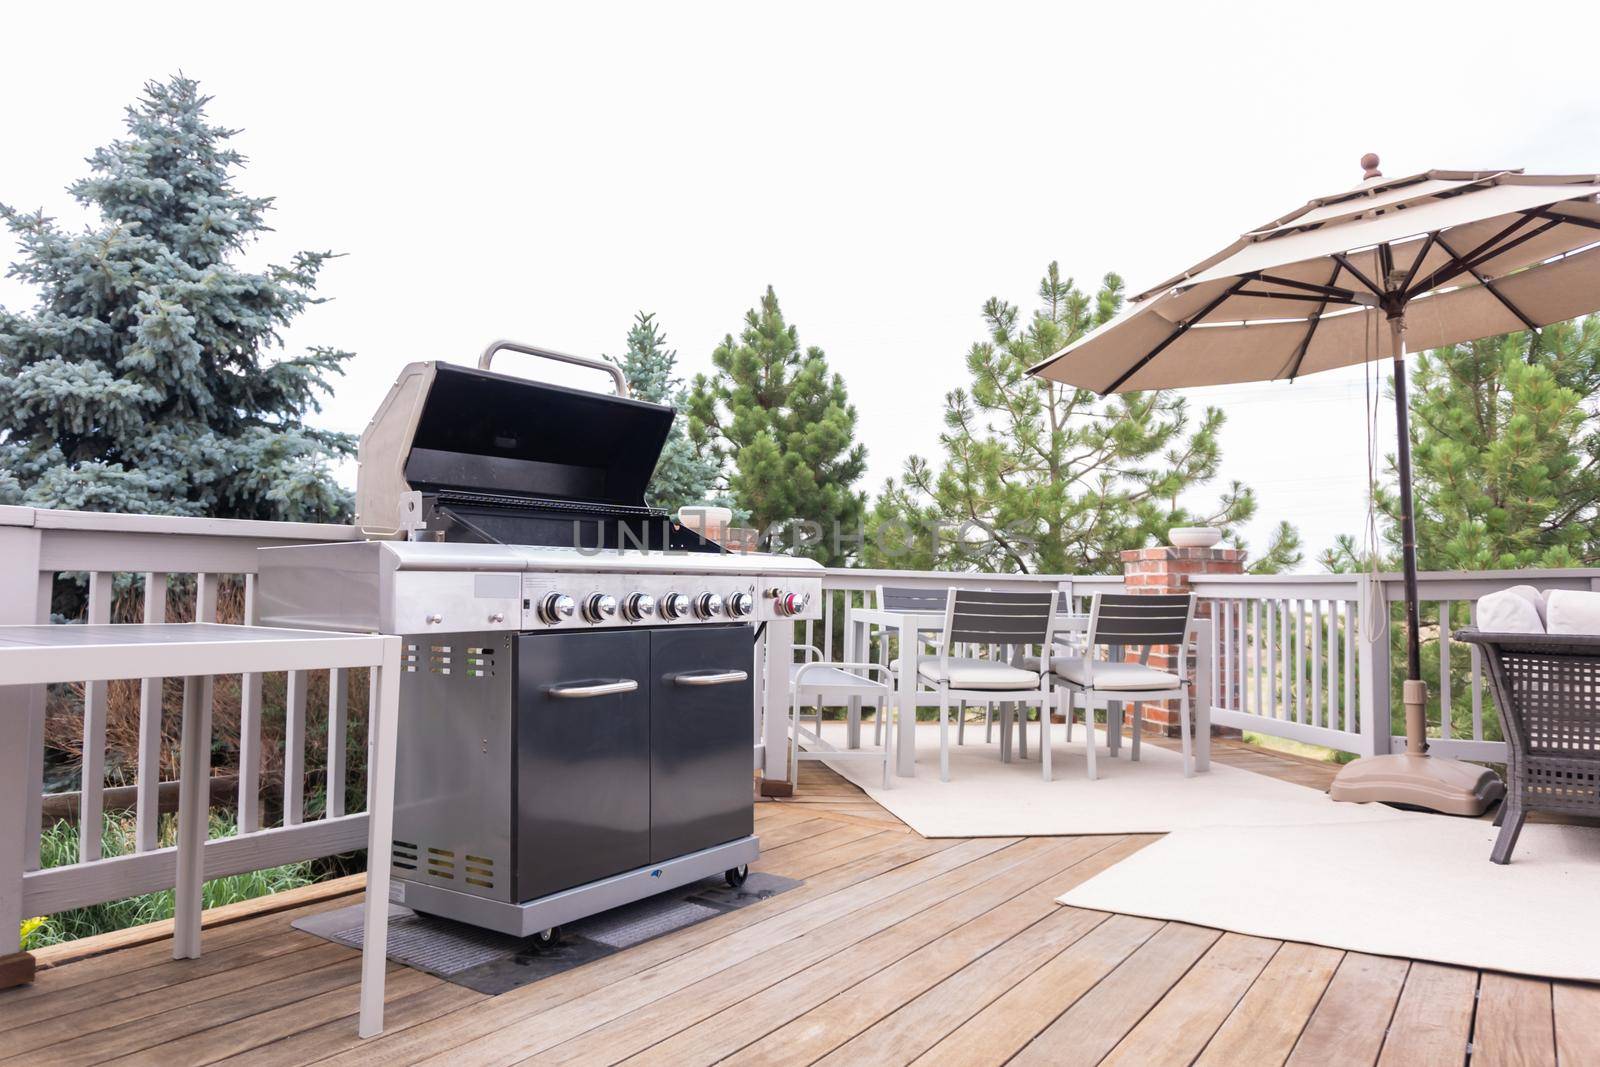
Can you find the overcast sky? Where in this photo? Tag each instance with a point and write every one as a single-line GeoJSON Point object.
{"type": "Point", "coordinates": [541, 172]}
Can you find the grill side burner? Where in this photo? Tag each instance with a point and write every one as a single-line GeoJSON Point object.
{"type": "Point", "coordinates": [577, 713]}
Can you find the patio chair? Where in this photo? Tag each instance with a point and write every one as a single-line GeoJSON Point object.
{"type": "Point", "coordinates": [934, 601]}
{"type": "Point", "coordinates": [1547, 687]}
{"type": "Point", "coordinates": [825, 683]}
{"type": "Point", "coordinates": [989, 617]}
{"type": "Point", "coordinates": [1122, 620]}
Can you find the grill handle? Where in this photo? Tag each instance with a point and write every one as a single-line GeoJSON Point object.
{"type": "Point", "coordinates": [591, 689]}
{"type": "Point", "coordinates": [710, 677]}
{"type": "Point", "coordinates": [560, 357]}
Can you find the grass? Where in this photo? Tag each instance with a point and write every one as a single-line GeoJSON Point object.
{"type": "Point", "coordinates": [58, 847]}
{"type": "Point", "coordinates": [1298, 748]}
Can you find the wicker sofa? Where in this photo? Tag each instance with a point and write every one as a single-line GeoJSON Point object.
{"type": "Point", "coordinates": [1547, 687]}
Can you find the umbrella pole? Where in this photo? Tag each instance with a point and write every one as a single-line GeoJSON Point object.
{"type": "Point", "coordinates": [1414, 693]}
{"type": "Point", "coordinates": [1413, 778]}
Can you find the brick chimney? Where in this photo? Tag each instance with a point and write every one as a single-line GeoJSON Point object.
{"type": "Point", "coordinates": [1167, 570]}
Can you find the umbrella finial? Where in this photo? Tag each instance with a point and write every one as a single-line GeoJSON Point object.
{"type": "Point", "coordinates": [1369, 164]}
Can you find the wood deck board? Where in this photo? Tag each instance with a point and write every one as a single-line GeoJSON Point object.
{"type": "Point", "coordinates": [1515, 1026]}
{"type": "Point", "coordinates": [895, 948]}
{"type": "Point", "coordinates": [1432, 1024]}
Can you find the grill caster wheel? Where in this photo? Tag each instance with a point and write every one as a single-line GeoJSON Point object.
{"type": "Point", "coordinates": [547, 938]}
{"type": "Point", "coordinates": [737, 875]}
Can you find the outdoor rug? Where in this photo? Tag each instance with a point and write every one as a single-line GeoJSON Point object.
{"type": "Point", "coordinates": [1407, 884]}
{"type": "Point", "coordinates": [496, 963]}
{"type": "Point", "coordinates": [987, 798]}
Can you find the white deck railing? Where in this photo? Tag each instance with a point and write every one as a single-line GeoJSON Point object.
{"type": "Point", "coordinates": [1290, 662]}
{"type": "Point", "coordinates": [36, 545]}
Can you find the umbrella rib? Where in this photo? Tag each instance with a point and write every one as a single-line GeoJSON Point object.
{"type": "Point", "coordinates": [1416, 265]}
{"type": "Point", "coordinates": [1343, 295]}
{"type": "Point", "coordinates": [1546, 213]}
{"type": "Point", "coordinates": [1307, 297]}
{"type": "Point", "coordinates": [1182, 329]}
{"type": "Point", "coordinates": [1446, 273]}
{"type": "Point", "coordinates": [1344, 261]}
{"type": "Point", "coordinates": [1489, 285]}
{"type": "Point", "coordinates": [1311, 329]}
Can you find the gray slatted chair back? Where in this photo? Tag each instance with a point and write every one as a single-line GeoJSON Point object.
{"type": "Point", "coordinates": [992, 617]}
{"type": "Point", "coordinates": [912, 599]}
{"type": "Point", "coordinates": [1134, 620]}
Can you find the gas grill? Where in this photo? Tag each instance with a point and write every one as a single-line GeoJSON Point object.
{"type": "Point", "coordinates": [577, 712]}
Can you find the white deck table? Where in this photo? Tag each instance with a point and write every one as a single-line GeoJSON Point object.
{"type": "Point", "coordinates": [931, 624]}
{"type": "Point", "coordinates": [37, 655]}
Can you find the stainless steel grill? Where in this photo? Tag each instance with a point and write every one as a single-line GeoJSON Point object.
{"type": "Point", "coordinates": [577, 712]}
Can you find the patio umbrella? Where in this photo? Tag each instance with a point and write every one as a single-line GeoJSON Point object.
{"type": "Point", "coordinates": [1432, 259]}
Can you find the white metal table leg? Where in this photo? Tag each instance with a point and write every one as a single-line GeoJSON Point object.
{"type": "Point", "coordinates": [906, 683]}
{"type": "Point", "coordinates": [385, 718]}
{"type": "Point", "coordinates": [194, 817]}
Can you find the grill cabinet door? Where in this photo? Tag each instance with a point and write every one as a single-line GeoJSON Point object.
{"type": "Point", "coordinates": [583, 761]}
{"type": "Point", "coordinates": [700, 738]}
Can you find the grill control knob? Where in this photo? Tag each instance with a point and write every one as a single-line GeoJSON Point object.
{"type": "Point", "coordinates": [599, 607]}
{"type": "Point", "coordinates": [708, 605]}
{"type": "Point", "coordinates": [792, 603]}
{"type": "Point", "coordinates": [740, 605]}
{"type": "Point", "coordinates": [674, 606]}
{"type": "Point", "coordinates": [555, 607]}
{"type": "Point", "coordinates": [638, 606]}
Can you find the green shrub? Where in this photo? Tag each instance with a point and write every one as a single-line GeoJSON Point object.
{"type": "Point", "coordinates": [58, 847]}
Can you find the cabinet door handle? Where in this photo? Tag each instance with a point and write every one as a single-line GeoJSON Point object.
{"type": "Point", "coordinates": [710, 678]}
{"type": "Point", "coordinates": [591, 689]}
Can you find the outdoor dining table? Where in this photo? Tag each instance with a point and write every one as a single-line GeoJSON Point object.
{"type": "Point", "coordinates": [197, 652]}
{"type": "Point", "coordinates": [923, 624]}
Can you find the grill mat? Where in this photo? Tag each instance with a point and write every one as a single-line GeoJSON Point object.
{"type": "Point", "coordinates": [495, 963]}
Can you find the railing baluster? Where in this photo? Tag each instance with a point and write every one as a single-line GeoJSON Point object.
{"type": "Point", "coordinates": [147, 790]}
{"type": "Point", "coordinates": [1272, 659]}
{"type": "Point", "coordinates": [1257, 653]}
{"type": "Point", "coordinates": [249, 809]}
{"type": "Point", "coordinates": [338, 714]}
{"type": "Point", "coordinates": [827, 626]}
{"type": "Point", "coordinates": [1477, 677]}
{"type": "Point", "coordinates": [1351, 706]}
{"type": "Point", "coordinates": [1299, 660]}
{"type": "Point", "coordinates": [1223, 610]}
{"type": "Point", "coordinates": [1316, 663]}
{"type": "Point", "coordinates": [1444, 669]}
{"type": "Point", "coordinates": [294, 750]}
{"type": "Point", "coordinates": [91, 788]}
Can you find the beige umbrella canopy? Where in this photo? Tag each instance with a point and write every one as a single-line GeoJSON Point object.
{"type": "Point", "coordinates": [1433, 259]}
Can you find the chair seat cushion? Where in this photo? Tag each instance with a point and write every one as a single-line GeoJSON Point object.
{"type": "Point", "coordinates": [1104, 674]}
{"type": "Point", "coordinates": [968, 673]}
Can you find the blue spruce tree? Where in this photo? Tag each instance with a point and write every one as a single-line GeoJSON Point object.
{"type": "Point", "coordinates": [683, 475]}
{"type": "Point", "coordinates": [150, 376]}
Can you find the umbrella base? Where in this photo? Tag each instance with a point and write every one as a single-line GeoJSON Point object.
{"type": "Point", "coordinates": [1432, 782]}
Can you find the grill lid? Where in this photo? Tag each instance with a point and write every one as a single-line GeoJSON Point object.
{"type": "Point", "coordinates": [454, 431]}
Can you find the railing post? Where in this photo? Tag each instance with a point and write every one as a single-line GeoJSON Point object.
{"type": "Point", "coordinates": [1372, 672]}
{"type": "Point", "coordinates": [24, 600]}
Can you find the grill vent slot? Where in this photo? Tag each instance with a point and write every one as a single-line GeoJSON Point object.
{"type": "Point", "coordinates": [439, 659]}
{"type": "Point", "coordinates": [404, 856]}
{"type": "Point", "coordinates": [479, 871]}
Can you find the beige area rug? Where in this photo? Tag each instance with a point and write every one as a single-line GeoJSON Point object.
{"type": "Point", "coordinates": [987, 798]}
{"type": "Point", "coordinates": [1410, 885]}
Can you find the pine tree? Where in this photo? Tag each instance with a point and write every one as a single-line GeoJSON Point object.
{"type": "Point", "coordinates": [683, 475]}
{"type": "Point", "coordinates": [1506, 451]}
{"type": "Point", "coordinates": [145, 379]}
{"type": "Point", "coordinates": [1044, 478]}
{"type": "Point", "coordinates": [783, 429]}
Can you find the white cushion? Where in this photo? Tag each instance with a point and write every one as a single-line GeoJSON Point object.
{"type": "Point", "coordinates": [1573, 611]}
{"type": "Point", "coordinates": [1536, 598]}
{"type": "Point", "coordinates": [1508, 612]}
{"type": "Point", "coordinates": [1106, 674]}
{"type": "Point", "coordinates": [968, 673]}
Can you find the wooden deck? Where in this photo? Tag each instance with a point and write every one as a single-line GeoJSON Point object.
{"type": "Point", "coordinates": [896, 949]}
